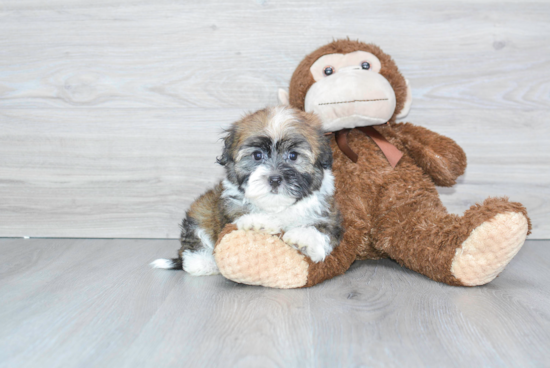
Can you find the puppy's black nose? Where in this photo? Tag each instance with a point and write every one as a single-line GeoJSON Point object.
{"type": "Point", "coordinates": [275, 180]}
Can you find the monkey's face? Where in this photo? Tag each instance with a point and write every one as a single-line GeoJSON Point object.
{"type": "Point", "coordinates": [349, 91]}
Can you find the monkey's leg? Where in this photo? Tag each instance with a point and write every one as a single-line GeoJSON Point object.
{"type": "Point", "coordinates": [469, 250]}
{"type": "Point", "coordinates": [258, 258]}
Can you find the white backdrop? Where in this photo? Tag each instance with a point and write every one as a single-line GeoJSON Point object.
{"type": "Point", "coordinates": [111, 110]}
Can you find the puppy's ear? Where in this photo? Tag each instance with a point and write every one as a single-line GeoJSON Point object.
{"type": "Point", "coordinates": [325, 156]}
{"type": "Point", "coordinates": [312, 119]}
{"type": "Point", "coordinates": [228, 140]}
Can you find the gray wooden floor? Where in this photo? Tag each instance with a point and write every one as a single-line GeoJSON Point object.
{"type": "Point", "coordinates": [96, 303]}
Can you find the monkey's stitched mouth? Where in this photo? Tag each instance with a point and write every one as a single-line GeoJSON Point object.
{"type": "Point", "coordinates": [343, 102]}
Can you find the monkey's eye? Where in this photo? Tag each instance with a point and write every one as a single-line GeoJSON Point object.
{"type": "Point", "coordinates": [293, 156]}
{"type": "Point", "coordinates": [365, 65]}
{"type": "Point", "coordinates": [258, 155]}
{"type": "Point", "coordinates": [328, 71]}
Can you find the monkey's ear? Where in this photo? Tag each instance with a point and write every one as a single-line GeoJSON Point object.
{"type": "Point", "coordinates": [408, 101]}
{"type": "Point", "coordinates": [283, 96]}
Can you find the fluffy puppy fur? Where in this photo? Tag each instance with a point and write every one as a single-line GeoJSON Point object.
{"type": "Point", "coordinates": [278, 180]}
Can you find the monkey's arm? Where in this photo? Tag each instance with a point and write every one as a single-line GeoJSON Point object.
{"type": "Point", "coordinates": [440, 157]}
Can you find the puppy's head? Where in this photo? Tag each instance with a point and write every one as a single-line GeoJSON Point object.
{"type": "Point", "coordinates": [276, 156]}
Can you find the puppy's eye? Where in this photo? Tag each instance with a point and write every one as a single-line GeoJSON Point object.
{"type": "Point", "coordinates": [329, 70]}
{"type": "Point", "coordinates": [293, 156]}
{"type": "Point", "coordinates": [365, 65]}
{"type": "Point", "coordinates": [258, 155]}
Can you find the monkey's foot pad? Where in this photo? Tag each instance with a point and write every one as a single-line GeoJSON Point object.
{"type": "Point", "coordinates": [489, 248]}
{"type": "Point", "coordinates": [255, 258]}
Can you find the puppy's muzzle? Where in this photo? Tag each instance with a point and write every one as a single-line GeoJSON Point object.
{"type": "Point", "coordinates": [275, 181]}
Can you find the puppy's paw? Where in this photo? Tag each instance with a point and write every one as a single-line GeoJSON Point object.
{"type": "Point", "coordinates": [199, 262]}
{"type": "Point", "coordinates": [309, 241]}
{"type": "Point", "coordinates": [257, 222]}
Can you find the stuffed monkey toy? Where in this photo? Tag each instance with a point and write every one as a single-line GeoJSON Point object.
{"type": "Point", "coordinates": [385, 178]}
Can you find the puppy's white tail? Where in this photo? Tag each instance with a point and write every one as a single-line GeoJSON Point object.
{"type": "Point", "coordinates": [167, 264]}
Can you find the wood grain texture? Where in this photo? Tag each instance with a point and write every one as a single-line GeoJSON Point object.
{"type": "Point", "coordinates": [110, 111]}
{"type": "Point", "coordinates": [133, 172]}
{"type": "Point", "coordinates": [96, 303]}
{"type": "Point", "coordinates": [215, 53]}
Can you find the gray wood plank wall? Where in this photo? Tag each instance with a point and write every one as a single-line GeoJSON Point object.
{"type": "Point", "coordinates": [111, 110]}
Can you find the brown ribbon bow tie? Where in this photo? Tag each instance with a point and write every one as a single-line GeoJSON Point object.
{"type": "Point", "coordinates": [390, 151]}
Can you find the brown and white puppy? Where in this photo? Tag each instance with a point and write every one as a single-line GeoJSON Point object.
{"type": "Point", "coordinates": [278, 180]}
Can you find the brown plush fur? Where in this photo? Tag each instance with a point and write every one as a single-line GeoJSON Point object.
{"type": "Point", "coordinates": [396, 212]}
